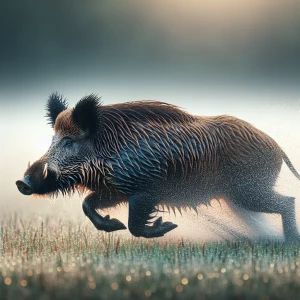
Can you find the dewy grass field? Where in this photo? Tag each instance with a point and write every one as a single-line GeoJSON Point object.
{"type": "Point", "coordinates": [53, 259]}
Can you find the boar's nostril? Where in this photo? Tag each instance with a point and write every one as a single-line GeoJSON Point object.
{"type": "Point", "coordinates": [24, 186]}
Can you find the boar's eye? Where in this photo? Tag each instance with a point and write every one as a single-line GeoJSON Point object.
{"type": "Point", "coordinates": [67, 143]}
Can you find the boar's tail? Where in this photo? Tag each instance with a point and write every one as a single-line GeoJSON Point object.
{"type": "Point", "coordinates": [290, 165]}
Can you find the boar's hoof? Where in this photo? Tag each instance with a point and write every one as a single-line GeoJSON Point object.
{"type": "Point", "coordinates": [115, 224]}
{"type": "Point", "coordinates": [108, 224]}
{"type": "Point", "coordinates": [158, 229]}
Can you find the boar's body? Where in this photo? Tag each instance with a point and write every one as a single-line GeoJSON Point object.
{"type": "Point", "coordinates": [191, 162]}
{"type": "Point", "coordinates": [151, 153]}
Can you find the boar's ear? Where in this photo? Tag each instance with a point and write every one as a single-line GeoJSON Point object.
{"type": "Point", "coordinates": [86, 114]}
{"type": "Point", "coordinates": [55, 105]}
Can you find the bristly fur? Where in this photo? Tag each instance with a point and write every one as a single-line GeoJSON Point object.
{"type": "Point", "coordinates": [130, 121]}
{"type": "Point", "coordinates": [55, 105]}
{"type": "Point", "coordinates": [142, 141]}
{"type": "Point", "coordinates": [86, 114]}
{"type": "Point", "coordinates": [192, 138]}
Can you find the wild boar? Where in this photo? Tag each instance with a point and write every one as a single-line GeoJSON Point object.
{"type": "Point", "coordinates": [153, 154]}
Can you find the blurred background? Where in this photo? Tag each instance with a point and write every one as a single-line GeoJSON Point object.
{"type": "Point", "coordinates": [209, 57]}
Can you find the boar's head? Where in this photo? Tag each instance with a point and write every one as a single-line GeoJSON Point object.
{"type": "Point", "coordinates": [66, 165]}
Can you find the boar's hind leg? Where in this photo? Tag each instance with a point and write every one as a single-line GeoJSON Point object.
{"type": "Point", "coordinates": [90, 204]}
{"type": "Point", "coordinates": [270, 202]}
{"type": "Point", "coordinates": [141, 206]}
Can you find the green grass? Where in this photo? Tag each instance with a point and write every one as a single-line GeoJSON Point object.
{"type": "Point", "coordinates": [59, 260]}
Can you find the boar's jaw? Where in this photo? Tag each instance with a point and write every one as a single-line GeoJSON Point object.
{"type": "Point", "coordinates": [39, 179]}
{"type": "Point", "coordinates": [45, 179]}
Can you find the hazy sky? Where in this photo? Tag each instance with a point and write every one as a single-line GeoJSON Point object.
{"type": "Point", "coordinates": [210, 57]}
{"type": "Point", "coordinates": [51, 44]}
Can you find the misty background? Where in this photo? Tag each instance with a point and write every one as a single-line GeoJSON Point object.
{"type": "Point", "coordinates": [209, 57]}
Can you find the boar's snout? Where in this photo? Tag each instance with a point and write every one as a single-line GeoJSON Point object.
{"type": "Point", "coordinates": [24, 186]}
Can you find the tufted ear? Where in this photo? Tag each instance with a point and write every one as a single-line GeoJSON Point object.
{"type": "Point", "coordinates": [86, 114]}
{"type": "Point", "coordinates": [55, 105]}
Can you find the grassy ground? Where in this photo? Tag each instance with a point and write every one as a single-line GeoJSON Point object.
{"type": "Point", "coordinates": [52, 259]}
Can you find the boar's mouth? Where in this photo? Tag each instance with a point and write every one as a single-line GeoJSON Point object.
{"type": "Point", "coordinates": [65, 187]}
{"type": "Point", "coordinates": [49, 182]}
{"type": "Point", "coordinates": [52, 189]}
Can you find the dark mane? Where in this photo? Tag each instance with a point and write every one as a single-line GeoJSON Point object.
{"type": "Point", "coordinates": [127, 122]}
{"type": "Point", "coordinates": [147, 110]}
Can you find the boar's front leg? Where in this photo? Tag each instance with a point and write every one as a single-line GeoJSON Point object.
{"type": "Point", "coordinates": [141, 206]}
{"type": "Point", "coordinates": [93, 202]}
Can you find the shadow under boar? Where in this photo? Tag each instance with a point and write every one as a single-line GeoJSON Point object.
{"type": "Point", "coordinates": [153, 154]}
